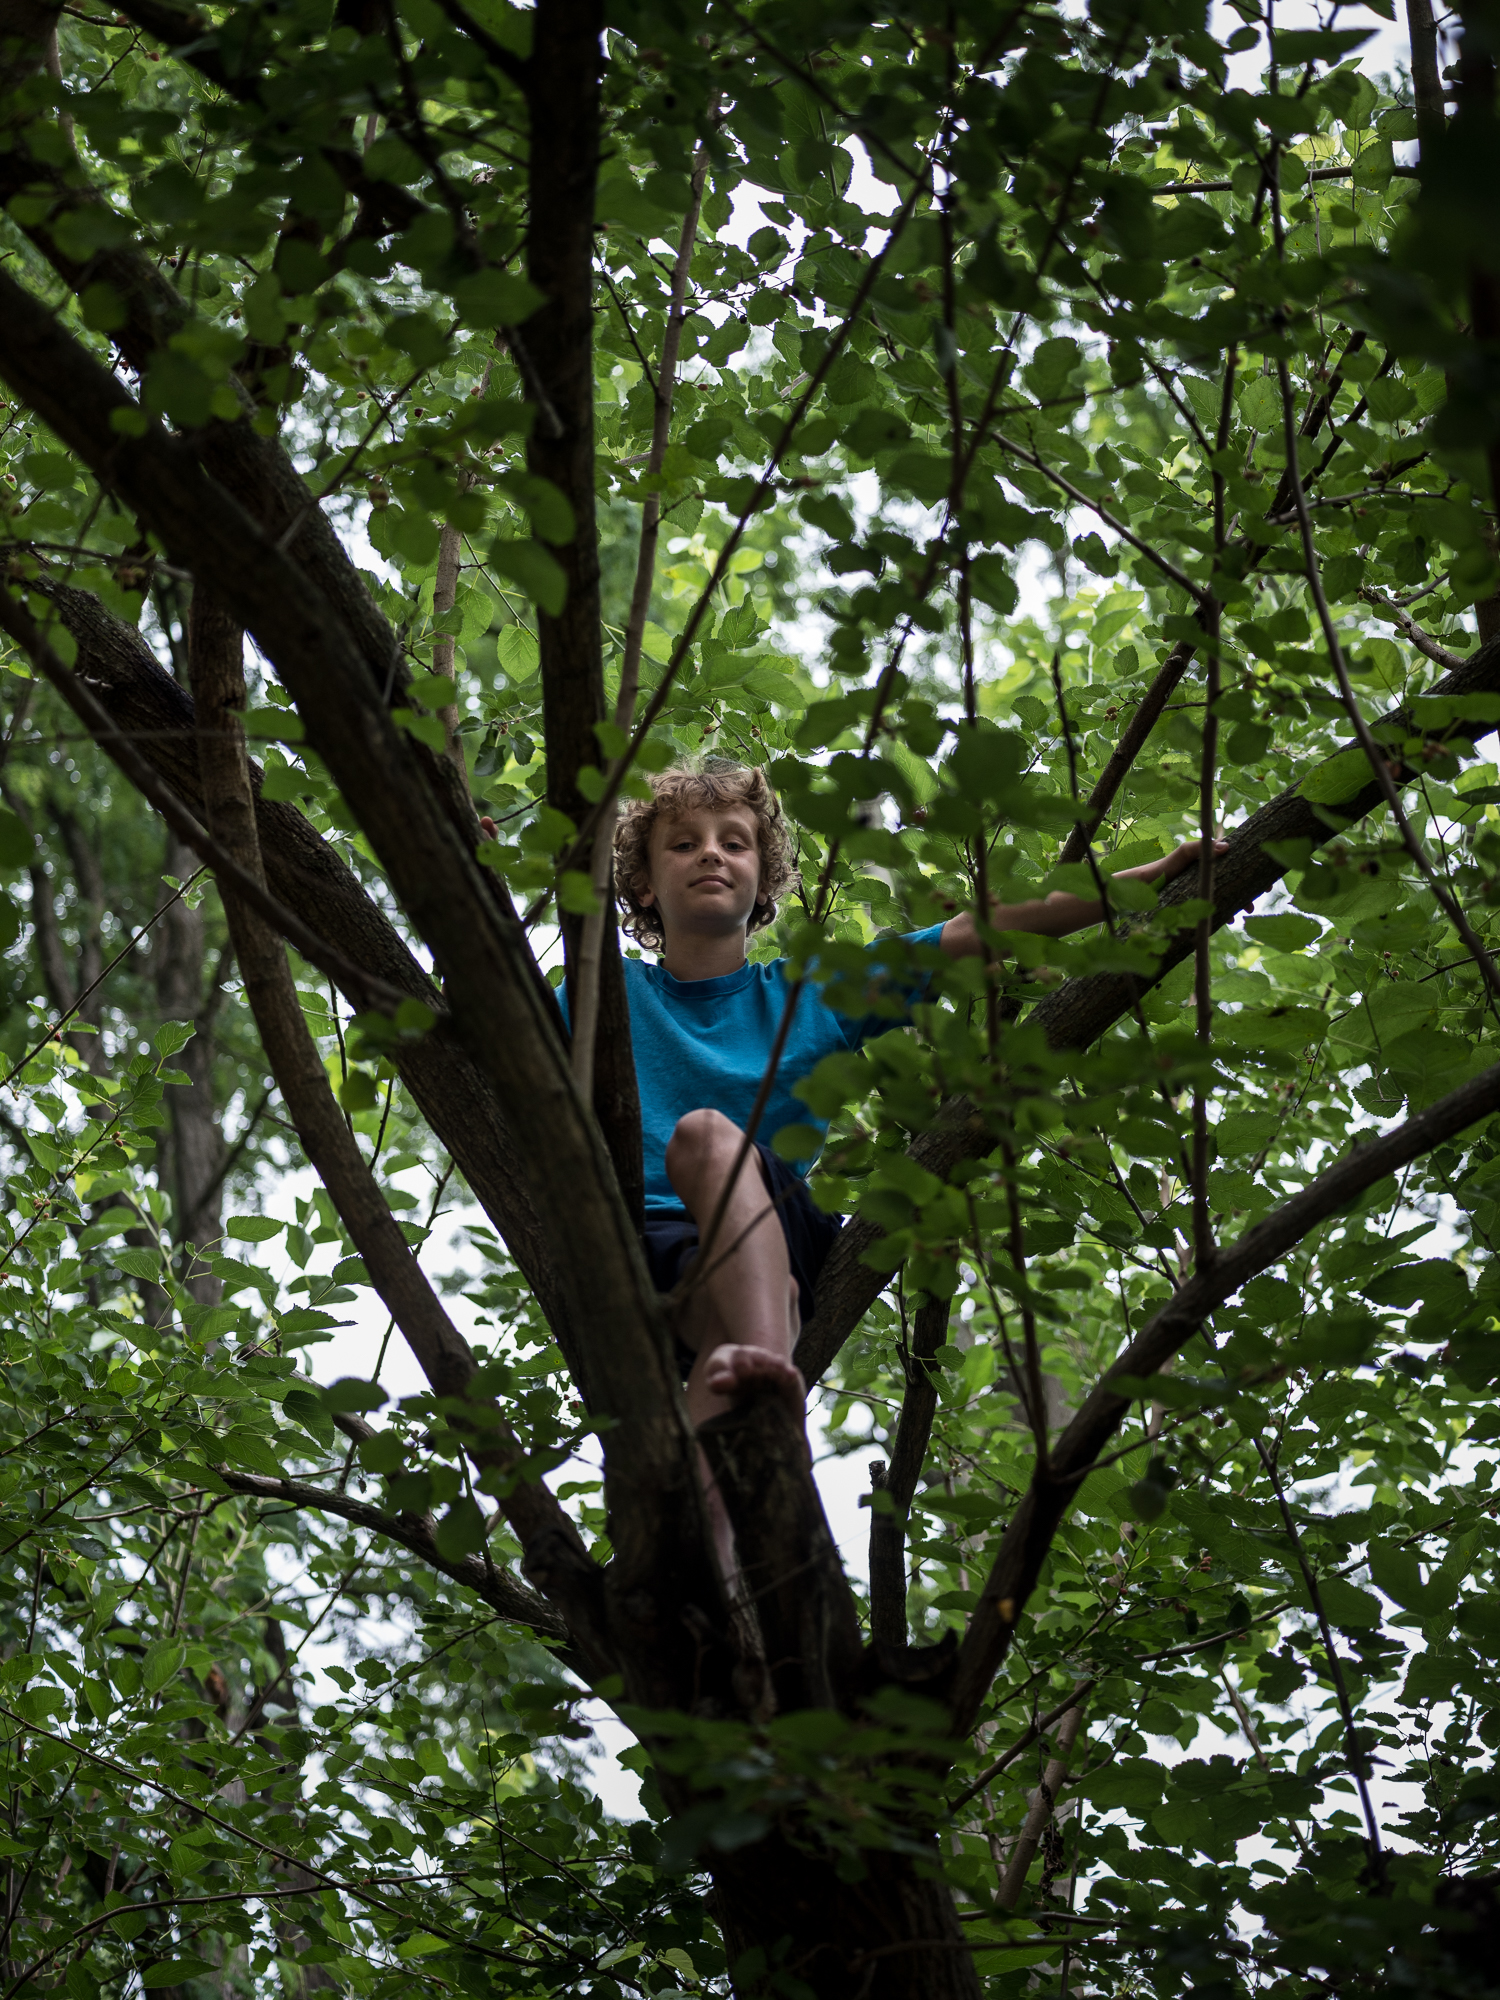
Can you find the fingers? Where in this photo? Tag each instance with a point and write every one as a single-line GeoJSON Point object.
{"type": "Point", "coordinates": [487, 826]}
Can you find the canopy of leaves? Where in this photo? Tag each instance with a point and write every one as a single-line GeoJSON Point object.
{"type": "Point", "coordinates": [1024, 353]}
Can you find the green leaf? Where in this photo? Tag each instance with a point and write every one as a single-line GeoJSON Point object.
{"type": "Point", "coordinates": [383, 1453]}
{"type": "Point", "coordinates": [496, 298]}
{"type": "Point", "coordinates": [357, 1092]}
{"type": "Point", "coordinates": [1284, 931]}
{"type": "Point", "coordinates": [518, 652]}
{"type": "Point", "coordinates": [163, 1662]}
{"type": "Point", "coordinates": [174, 1972]}
{"type": "Point", "coordinates": [1331, 45]}
{"type": "Point", "coordinates": [535, 569]}
{"type": "Point", "coordinates": [17, 848]}
{"type": "Point", "coordinates": [1346, 1605]}
{"type": "Point", "coordinates": [253, 1228]}
{"type": "Point", "coordinates": [421, 1944]}
{"type": "Point", "coordinates": [242, 1446]}
{"type": "Point", "coordinates": [575, 893]}
{"type": "Point", "coordinates": [352, 1394]}
{"type": "Point", "coordinates": [146, 1264]}
{"type": "Point", "coordinates": [460, 1533]}
{"type": "Point", "coordinates": [1338, 779]}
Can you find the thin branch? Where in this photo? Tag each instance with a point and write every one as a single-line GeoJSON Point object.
{"type": "Point", "coordinates": [1147, 713]}
{"type": "Point", "coordinates": [1033, 1523]}
{"type": "Point", "coordinates": [1227, 187]}
{"type": "Point", "coordinates": [899, 1480]}
{"type": "Point", "coordinates": [1353, 1751]}
{"type": "Point", "coordinates": [1168, 568]}
{"type": "Point", "coordinates": [1379, 763]}
{"type": "Point", "coordinates": [1424, 643]}
{"type": "Point", "coordinates": [54, 1033]}
{"type": "Point", "coordinates": [763, 486]}
{"type": "Point", "coordinates": [1081, 1692]}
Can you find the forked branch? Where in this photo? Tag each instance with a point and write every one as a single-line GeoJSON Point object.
{"type": "Point", "coordinates": [1029, 1535]}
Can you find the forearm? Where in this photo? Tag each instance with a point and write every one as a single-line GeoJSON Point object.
{"type": "Point", "coordinates": [1060, 913]}
{"type": "Point", "coordinates": [1045, 916]}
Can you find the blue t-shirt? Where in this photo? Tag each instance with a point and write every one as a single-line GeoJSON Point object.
{"type": "Point", "coordinates": [704, 1044]}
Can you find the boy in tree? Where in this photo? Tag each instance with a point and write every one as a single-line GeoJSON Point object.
{"type": "Point", "coordinates": [699, 866]}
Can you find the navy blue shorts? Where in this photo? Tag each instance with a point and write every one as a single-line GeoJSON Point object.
{"type": "Point", "coordinates": [672, 1240]}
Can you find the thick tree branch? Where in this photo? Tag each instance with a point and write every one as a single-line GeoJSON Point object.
{"type": "Point", "coordinates": [488, 972]}
{"type": "Point", "coordinates": [1085, 1007]}
{"type": "Point", "coordinates": [1028, 1537]}
{"type": "Point", "coordinates": [255, 468]}
{"type": "Point", "coordinates": [563, 97]}
{"type": "Point", "coordinates": [31, 637]}
{"type": "Point", "coordinates": [1041, 1807]}
{"type": "Point", "coordinates": [788, 1557]}
{"type": "Point", "coordinates": [554, 1553]}
{"type": "Point", "coordinates": [150, 709]}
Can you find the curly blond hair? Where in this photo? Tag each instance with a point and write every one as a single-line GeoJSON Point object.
{"type": "Point", "coordinates": [687, 787]}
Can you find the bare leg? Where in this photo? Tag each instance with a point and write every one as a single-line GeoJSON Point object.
{"type": "Point", "coordinates": [742, 1318]}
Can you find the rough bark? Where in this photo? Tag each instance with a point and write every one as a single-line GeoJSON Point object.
{"type": "Point", "coordinates": [895, 1935]}
{"type": "Point", "coordinates": [789, 1562]}
{"type": "Point", "coordinates": [305, 872]}
{"type": "Point", "coordinates": [490, 981]}
{"type": "Point", "coordinates": [1082, 1009]}
{"type": "Point", "coordinates": [554, 1553]}
{"type": "Point", "coordinates": [563, 96]}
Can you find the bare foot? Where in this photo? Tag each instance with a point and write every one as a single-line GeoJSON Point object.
{"type": "Point", "coordinates": [731, 1369]}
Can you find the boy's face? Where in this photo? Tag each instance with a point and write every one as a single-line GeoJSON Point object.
{"type": "Point", "coordinates": [705, 870]}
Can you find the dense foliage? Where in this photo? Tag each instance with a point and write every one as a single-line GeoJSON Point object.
{"type": "Point", "coordinates": [1123, 389]}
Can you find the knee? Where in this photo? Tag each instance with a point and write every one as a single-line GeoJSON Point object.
{"type": "Point", "coordinates": [699, 1139]}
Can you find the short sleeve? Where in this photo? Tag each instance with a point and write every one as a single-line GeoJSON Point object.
{"type": "Point", "coordinates": [895, 975]}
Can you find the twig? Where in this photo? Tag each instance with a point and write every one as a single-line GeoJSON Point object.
{"type": "Point", "coordinates": [1353, 1752]}
{"type": "Point", "coordinates": [1236, 1702]}
{"type": "Point", "coordinates": [1168, 569]}
{"type": "Point", "coordinates": [1204, 1247]}
{"type": "Point", "coordinates": [763, 486]}
{"type": "Point", "coordinates": [54, 1033]}
{"type": "Point", "coordinates": [1315, 174]}
{"type": "Point", "coordinates": [1081, 1692]}
{"type": "Point", "coordinates": [1379, 763]}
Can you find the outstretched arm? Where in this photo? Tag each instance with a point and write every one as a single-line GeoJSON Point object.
{"type": "Point", "coordinates": [1058, 914]}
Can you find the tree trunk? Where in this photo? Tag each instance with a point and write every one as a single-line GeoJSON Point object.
{"type": "Point", "coordinates": [893, 1936]}
{"type": "Point", "coordinates": [559, 357]}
